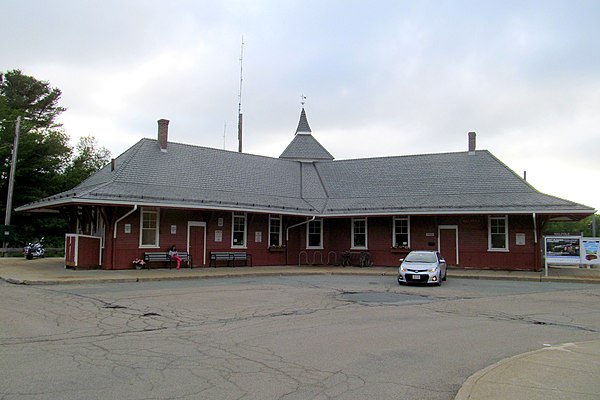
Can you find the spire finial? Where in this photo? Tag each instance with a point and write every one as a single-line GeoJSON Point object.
{"type": "Point", "coordinates": [303, 126]}
{"type": "Point", "coordinates": [302, 100]}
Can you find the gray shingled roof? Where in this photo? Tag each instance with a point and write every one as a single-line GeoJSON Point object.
{"type": "Point", "coordinates": [304, 147]}
{"type": "Point", "coordinates": [303, 123]}
{"type": "Point", "coordinates": [189, 176]}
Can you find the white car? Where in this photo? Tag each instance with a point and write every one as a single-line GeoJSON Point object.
{"type": "Point", "coordinates": [422, 267]}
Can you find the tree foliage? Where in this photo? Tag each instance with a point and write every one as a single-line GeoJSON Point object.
{"type": "Point", "coordinates": [46, 163]}
{"type": "Point", "coordinates": [43, 147]}
{"type": "Point", "coordinates": [89, 158]}
{"type": "Point", "coordinates": [582, 227]}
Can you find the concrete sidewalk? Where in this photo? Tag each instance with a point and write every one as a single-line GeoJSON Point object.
{"type": "Point", "coordinates": [52, 271]}
{"type": "Point", "coordinates": [569, 371]}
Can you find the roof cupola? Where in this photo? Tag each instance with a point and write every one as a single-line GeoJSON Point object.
{"type": "Point", "coordinates": [303, 126]}
{"type": "Point", "coordinates": [305, 147]}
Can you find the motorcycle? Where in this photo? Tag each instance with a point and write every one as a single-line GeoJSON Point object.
{"type": "Point", "coordinates": [34, 249]}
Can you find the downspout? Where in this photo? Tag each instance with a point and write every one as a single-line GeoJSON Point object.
{"type": "Point", "coordinates": [112, 256]}
{"type": "Point", "coordinates": [135, 206]}
{"type": "Point", "coordinates": [536, 247]}
{"type": "Point", "coordinates": [535, 234]}
{"type": "Point", "coordinates": [287, 234]}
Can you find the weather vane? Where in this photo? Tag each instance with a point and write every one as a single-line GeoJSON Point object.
{"type": "Point", "coordinates": [302, 99]}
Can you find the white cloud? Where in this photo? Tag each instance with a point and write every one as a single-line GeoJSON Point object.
{"type": "Point", "coordinates": [381, 78]}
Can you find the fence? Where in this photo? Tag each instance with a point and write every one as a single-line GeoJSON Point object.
{"type": "Point", "coordinates": [18, 251]}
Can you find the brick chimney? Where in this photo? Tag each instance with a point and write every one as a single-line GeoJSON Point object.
{"type": "Point", "coordinates": [472, 136]}
{"type": "Point", "coordinates": [163, 134]}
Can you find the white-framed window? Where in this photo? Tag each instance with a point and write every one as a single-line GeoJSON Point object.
{"type": "Point", "coordinates": [401, 232]}
{"type": "Point", "coordinates": [149, 223]}
{"type": "Point", "coordinates": [359, 233]}
{"type": "Point", "coordinates": [274, 230]}
{"type": "Point", "coordinates": [314, 234]}
{"type": "Point", "coordinates": [238, 230]}
{"type": "Point", "coordinates": [498, 233]}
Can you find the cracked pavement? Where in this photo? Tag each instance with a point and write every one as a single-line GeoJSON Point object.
{"type": "Point", "coordinates": [301, 337]}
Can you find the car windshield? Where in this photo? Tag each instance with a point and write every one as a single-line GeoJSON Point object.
{"type": "Point", "coordinates": [421, 257]}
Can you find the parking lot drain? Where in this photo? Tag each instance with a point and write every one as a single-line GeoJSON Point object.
{"type": "Point", "coordinates": [383, 298]}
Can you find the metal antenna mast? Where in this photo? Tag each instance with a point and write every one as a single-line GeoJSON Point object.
{"type": "Point", "coordinates": [240, 118]}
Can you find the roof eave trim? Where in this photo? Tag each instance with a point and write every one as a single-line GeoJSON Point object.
{"type": "Point", "coordinates": [206, 206]}
{"type": "Point", "coordinates": [457, 212]}
{"type": "Point", "coordinates": [297, 212]}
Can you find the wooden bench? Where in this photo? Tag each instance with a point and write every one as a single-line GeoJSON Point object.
{"type": "Point", "coordinates": [163, 257]}
{"type": "Point", "coordinates": [230, 257]}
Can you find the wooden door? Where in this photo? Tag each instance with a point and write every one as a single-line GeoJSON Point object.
{"type": "Point", "coordinates": [448, 243]}
{"type": "Point", "coordinates": [197, 244]}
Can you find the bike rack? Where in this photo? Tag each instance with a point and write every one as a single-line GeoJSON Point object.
{"type": "Point", "coordinates": [300, 257]}
{"type": "Point", "coordinates": [334, 258]}
{"type": "Point", "coordinates": [315, 258]}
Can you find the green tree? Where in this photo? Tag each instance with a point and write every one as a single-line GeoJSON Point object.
{"type": "Point", "coordinates": [89, 158]}
{"type": "Point", "coordinates": [43, 151]}
{"type": "Point", "coordinates": [43, 146]}
{"type": "Point", "coordinates": [583, 226]}
{"type": "Point", "coordinates": [46, 163]}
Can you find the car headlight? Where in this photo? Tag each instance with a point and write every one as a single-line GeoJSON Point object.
{"type": "Point", "coordinates": [432, 269]}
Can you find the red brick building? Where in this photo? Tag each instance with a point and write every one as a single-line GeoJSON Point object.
{"type": "Point", "coordinates": [306, 207]}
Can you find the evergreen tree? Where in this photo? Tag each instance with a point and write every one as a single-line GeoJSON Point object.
{"type": "Point", "coordinates": [46, 163]}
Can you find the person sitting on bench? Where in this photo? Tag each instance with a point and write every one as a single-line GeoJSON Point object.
{"type": "Point", "coordinates": [173, 255]}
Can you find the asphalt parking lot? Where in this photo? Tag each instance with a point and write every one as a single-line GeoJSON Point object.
{"type": "Point", "coordinates": [277, 337]}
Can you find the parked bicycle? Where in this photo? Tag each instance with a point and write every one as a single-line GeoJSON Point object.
{"type": "Point", "coordinates": [346, 259]}
{"type": "Point", "coordinates": [365, 259]}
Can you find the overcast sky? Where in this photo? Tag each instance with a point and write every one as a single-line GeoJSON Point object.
{"type": "Point", "coordinates": [380, 78]}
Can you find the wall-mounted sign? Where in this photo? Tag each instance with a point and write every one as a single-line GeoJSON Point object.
{"type": "Point", "coordinates": [218, 236]}
{"type": "Point", "coordinates": [173, 229]}
{"type": "Point", "coordinates": [520, 239]}
{"type": "Point", "coordinates": [220, 221]}
{"type": "Point", "coordinates": [127, 228]}
{"type": "Point", "coordinates": [258, 237]}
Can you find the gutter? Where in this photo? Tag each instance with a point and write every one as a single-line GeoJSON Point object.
{"type": "Point", "coordinates": [535, 235]}
{"type": "Point", "coordinates": [135, 207]}
{"type": "Point", "coordinates": [287, 230]}
{"type": "Point", "coordinates": [112, 257]}
{"type": "Point", "coordinates": [287, 233]}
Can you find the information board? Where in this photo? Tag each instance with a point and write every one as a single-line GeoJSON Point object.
{"type": "Point", "coordinates": [589, 253]}
{"type": "Point", "coordinates": [562, 249]}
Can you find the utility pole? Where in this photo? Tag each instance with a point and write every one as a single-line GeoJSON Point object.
{"type": "Point", "coordinates": [240, 118]}
{"type": "Point", "coordinates": [11, 177]}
